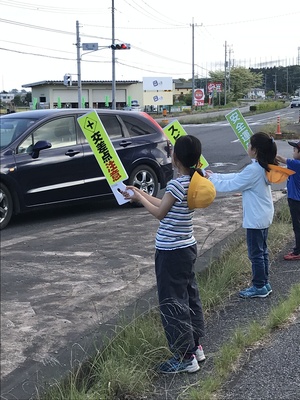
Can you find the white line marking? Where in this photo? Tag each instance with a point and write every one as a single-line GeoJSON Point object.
{"type": "Point", "coordinates": [67, 253]}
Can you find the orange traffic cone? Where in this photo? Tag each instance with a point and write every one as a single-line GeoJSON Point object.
{"type": "Point", "coordinates": [278, 132]}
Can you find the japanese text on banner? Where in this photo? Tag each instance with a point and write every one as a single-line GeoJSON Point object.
{"type": "Point", "coordinates": [240, 127]}
{"type": "Point", "coordinates": [173, 131]}
{"type": "Point", "coordinates": [102, 148]}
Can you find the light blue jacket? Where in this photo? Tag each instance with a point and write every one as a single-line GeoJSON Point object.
{"type": "Point", "coordinates": [258, 207]}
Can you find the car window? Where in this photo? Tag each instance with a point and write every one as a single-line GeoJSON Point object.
{"type": "Point", "coordinates": [136, 126]}
{"type": "Point", "coordinates": [59, 132]}
{"type": "Point", "coordinates": [12, 128]}
{"type": "Point", "coordinates": [112, 126]}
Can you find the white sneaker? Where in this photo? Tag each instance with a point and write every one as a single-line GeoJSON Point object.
{"type": "Point", "coordinates": [176, 365]}
{"type": "Point", "coordinates": [199, 354]}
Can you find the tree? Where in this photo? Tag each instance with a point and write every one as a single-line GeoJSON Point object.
{"type": "Point", "coordinates": [28, 98]}
{"type": "Point", "coordinates": [242, 80]}
{"type": "Point", "coordinates": [270, 94]}
{"type": "Point", "coordinates": [286, 79]}
{"type": "Point", "coordinates": [18, 100]}
{"type": "Point", "coordinates": [188, 99]}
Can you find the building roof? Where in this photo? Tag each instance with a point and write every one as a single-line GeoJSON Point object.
{"type": "Point", "coordinates": [183, 85]}
{"type": "Point", "coordinates": [75, 83]}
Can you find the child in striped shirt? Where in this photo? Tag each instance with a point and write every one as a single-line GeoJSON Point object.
{"type": "Point", "coordinates": [175, 256]}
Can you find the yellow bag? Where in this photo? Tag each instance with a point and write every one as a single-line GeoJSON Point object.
{"type": "Point", "coordinates": [201, 192]}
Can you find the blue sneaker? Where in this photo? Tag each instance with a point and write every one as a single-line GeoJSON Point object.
{"type": "Point", "coordinates": [269, 288]}
{"type": "Point", "coordinates": [253, 291]}
{"type": "Point", "coordinates": [176, 365]}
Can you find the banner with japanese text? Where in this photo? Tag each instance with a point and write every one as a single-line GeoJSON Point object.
{"type": "Point", "coordinates": [104, 152]}
{"type": "Point", "coordinates": [240, 127]}
{"type": "Point", "coordinates": [173, 131]}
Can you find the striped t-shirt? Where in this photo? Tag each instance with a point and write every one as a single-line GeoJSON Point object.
{"type": "Point", "coordinates": [176, 228]}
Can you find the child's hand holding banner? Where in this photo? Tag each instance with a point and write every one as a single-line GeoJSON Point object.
{"type": "Point", "coordinates": [173, 131]}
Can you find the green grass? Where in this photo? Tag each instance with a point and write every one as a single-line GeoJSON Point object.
{"type": "Point", "coordinates": [196, 117]}
{"type": "Point", "coordinates": [230, 353]}
{"type": "Point", "coordinates": [125, 367]}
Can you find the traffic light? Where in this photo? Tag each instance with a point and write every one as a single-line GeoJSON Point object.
{"type": "Point", "coordinates": [121, 46]}
{"type": "Point", "coordinates": [68, 80]}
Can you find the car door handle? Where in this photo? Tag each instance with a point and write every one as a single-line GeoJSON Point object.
{"type": "Point", "coordinates": [71, 153]}
{"type": "Point", "coordinates": [125, 143]}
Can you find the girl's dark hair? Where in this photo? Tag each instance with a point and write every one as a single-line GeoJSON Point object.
{"type": "Point", "coordinates": [188, 150]}
{"type": "Point", "coordinates": [266, 149]}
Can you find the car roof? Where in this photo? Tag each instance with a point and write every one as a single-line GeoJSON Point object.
{"type": "Point", "coordinates": [38, 114]}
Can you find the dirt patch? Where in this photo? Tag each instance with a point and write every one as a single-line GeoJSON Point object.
{"type": "Point", "coordinates": [290, 132]}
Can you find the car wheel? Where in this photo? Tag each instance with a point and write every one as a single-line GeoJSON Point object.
{"type": "Point", "coordinates": [6, 206]}
{"type": "Point", "coordinates": [144, 178]}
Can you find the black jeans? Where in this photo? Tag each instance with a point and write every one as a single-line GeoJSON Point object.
{"type": "Point", "coordinates": [294, 206]}
{"type": "Point", "coordinates": [179, 300]}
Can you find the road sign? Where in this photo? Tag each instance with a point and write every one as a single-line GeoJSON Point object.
{"type": "Point", "coordinates": [90, 46]}
{"type": "Point", "coordinates": [214, 86]}
{"type": "Point", "coordinates": [199, 97]}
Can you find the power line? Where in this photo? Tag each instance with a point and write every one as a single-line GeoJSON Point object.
{"type": "Point", "coordinates": [47, 56]}
{"type": "Point", "coordinates": [43, 28]}
{"type": "Point", "coordinates": [42, 8]}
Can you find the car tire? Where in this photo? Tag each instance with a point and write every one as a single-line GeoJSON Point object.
{"type": "Point", "coordinates": [144, 178]}
{"type": "Point", "coordinates": [6, 206]}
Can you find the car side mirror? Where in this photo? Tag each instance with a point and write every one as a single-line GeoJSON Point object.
{"type": "Point", "coordinates": [40, 145]}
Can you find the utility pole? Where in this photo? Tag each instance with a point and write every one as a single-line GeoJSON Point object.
{"type": "Point", "coordinates": [229, 67]}
{"type": "Point", "coordinates": [193, 65]}
{"type": "Point", "coordinates": [78, 46]}
{"type": "Point", "coordinates": [225, 77]}
{"type": "Point", "coordinates": [275, 84]}
{"type": "Point", "coordinates": [113, 89]}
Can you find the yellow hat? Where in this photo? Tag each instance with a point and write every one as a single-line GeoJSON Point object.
{"type": "Point", "coordinates": [201, 192]}
{"type": "Point", "coordinates": [278, 174]}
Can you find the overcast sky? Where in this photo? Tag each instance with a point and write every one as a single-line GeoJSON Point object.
{"type": "Point", "coordinates": [38, 38]}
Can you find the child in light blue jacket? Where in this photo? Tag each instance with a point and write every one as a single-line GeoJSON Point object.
{"type": "Point", "coordinates": [258, 207]}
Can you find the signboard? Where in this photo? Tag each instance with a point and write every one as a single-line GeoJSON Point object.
{"type": "Point", "coordinates": [214, 86]}
{"type": "Point", "coordinates": [240, 127]}
{"type": "Point", "coordinates": [157, 98]}
{"type": "Point", "coordinates": [173, 131]}
{"type": "Point", "coordinates": [199, 97]}
{"type": "Point", "coordinates": [90, 46]}
{"type": "Point", "coordinates": [105, 153]}
{"type": "Point", "coordinates": [157, 83]}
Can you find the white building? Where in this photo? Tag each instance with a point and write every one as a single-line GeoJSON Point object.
{"type": "Point", "coordinates": [7, 97]}
{"type": "Point", "coordinates": [257, 93]}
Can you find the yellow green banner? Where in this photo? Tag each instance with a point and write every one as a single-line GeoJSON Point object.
{"type": "Point", "coordinates": [173, 131]}
{"type": "Point", "coordinates": [240, 127]}
{"type": "Point", "coordinates": [102, 148]}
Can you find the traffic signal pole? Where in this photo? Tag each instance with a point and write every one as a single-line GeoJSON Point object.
{"type": "Point", "coordinates": [113, 61]}
{"type": "Point", "coordinates": [91, 47]}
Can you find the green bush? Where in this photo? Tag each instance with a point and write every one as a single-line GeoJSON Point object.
{"type": "Point", "coordinates": [270, 106]}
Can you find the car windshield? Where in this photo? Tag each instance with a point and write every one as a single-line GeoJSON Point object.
{"type": "Point", "coordinates": [12, 128]}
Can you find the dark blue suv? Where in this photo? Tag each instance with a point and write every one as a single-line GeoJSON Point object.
{"type": "Point", "coordinates": [46, 160]}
